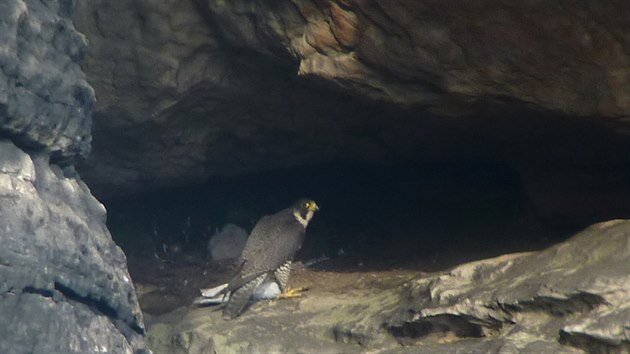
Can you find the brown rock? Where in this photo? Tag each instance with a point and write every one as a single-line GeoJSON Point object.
{"type": "Point", "coordinates": [190, 92]}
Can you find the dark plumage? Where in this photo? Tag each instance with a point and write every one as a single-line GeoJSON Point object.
{"type": "Point", "coordinates": [268, 253]}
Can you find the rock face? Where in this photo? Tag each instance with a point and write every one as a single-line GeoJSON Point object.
{"type": "Point", "coordinates": [189, 91]}
{"type": "Point", "coordinates": [176, 105]}
{"type": "Point", "coordinates": [64, 287]}
{"type": "Point", "coordinates": [566, 57]}
{"type": "Point", "coordinates": [64, 283]}
{"type": "Point", "coordinates": [45, 101]}
{"type": "Point", "coordinates": [570, 298]}
{"type": "Point", "coordinates": [575, 294]}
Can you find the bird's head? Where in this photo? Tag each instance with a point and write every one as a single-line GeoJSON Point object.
{"type": "Point", "coordinates": [304, 210]}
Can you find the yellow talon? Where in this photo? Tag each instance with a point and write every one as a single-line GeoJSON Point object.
{"type": "Point", "coordinates": [290, 292]}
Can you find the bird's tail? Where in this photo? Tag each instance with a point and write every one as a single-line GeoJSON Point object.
{"type": "Point", "coordinates": [213, 296]}
{"type": "Point", "coordinates": [240, 297]}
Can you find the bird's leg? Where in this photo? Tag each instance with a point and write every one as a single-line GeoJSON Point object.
{"type": "Point", "coordinates": [290, 292]}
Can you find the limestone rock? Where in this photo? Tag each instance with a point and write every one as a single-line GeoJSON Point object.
{"type": "Point", "coordinates": [575, 293]}
{"type": "Point", "coordinates": [567, 57]}
{"type": "Point", "coordinates": [45, 101]}
{"type": "Point", "coordinates": [570, 298]}
{"type": "Point", "coordinates": [64, 285]}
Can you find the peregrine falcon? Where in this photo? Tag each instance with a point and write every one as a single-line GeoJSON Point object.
{"type": "Point", "coordinates": [268, 254]}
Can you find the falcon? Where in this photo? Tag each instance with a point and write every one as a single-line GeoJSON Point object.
{"type": "Point", "coordinates": [267, 256]}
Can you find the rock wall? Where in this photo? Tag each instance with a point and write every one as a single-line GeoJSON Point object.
{"type": "Point", "coordinates": [193, 90]}
{"type": "Point", "coordinates": [176, 105]}
{"type": "Point", "coordinates": [64, 286]}
{"type": "Point", "coordinates": [64, 283]}
{"type": "Point", "coordinates": [45, 101]}
{"type": "Point", "coordinates": [567, 57]}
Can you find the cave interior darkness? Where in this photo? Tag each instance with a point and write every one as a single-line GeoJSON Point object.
{"type": "Point", "coordinates": [424, 216]}
{"type": "Point", "coordinates": [406, 214]}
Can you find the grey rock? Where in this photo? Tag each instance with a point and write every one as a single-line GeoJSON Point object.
{"type": "Point", "coordinates": [45, 101]}
{"type": "Point", "coordinates": [573, 297]}
{"type": "Point", "coordinates": [64, 286]}
{"type": "Point", "coordinates": [154, 66]}
{"type": "Point", "coordinates": [575, 293]}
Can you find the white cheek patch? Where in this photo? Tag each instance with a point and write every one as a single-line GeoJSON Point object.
{"type": "Point", "coordinates": [301, 220]}
{"type": "Point", "coordinates": [309, 216]}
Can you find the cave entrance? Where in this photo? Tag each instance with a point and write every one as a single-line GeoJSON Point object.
{"type": "Point", "coordinates": [409, 216]}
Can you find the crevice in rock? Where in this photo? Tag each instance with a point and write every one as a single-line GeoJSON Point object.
{"type": "Point", "coordinates": [459, 325]}
{"type": "Point", "coordinates": [574, 303]}
{"type": "Point", "coordinates": [470, 326]}
{"type": "Point", "coordinates": [100, 307]}
{"type": "Point", "coordinates": [591, 344]}
{"type": "Point", "coordinates": [36, 291]}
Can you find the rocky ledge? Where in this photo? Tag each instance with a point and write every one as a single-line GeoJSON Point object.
{"type": "Point", "coordinates": [570, 298]}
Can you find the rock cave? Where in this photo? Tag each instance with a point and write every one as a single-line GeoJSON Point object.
{"type": "Point", "coordinates": [470, 163]}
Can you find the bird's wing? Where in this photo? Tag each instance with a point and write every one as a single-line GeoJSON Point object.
{"type": "Point", "coordinates": [273, 241]}
{"type": "Point", "coordinates": [276, 240]}
{"type": "Point", "coordinates": [260, 237]}
{"type": "Point", "coordinates": [240, 297]}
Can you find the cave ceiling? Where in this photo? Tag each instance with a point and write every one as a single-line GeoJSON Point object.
{"type": "Point", "coordinates": [191, 90]}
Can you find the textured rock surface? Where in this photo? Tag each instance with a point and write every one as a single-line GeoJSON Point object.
{"type": "Point", "coordinates": [64, 285]}
{"type": "Point", "coordinates": [225, 88]}
{"type": "Point", "coordinates": [567, 57]}
{"type": "Point", "coordinates": [575, 293]}
{"type": "Point", "coordinates": [144, 57]}
{"type": "Point", "coordinates": [45, 101]}
{"type": "Point", "coordinates": [570, 298]}
{"type": "Point", "coordinates": [312, 324]}
{"type": "Point", "coordinates": [177, 106]}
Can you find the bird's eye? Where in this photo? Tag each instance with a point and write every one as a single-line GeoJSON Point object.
{"type": "Point", "coordinates": [306, 205]}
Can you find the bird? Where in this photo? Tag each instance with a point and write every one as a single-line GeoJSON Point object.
{"type": "Point", "coordinates": [267, 256]}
